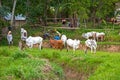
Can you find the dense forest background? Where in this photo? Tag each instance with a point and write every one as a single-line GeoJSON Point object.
{"type": "Point", "coordinates": [40, 11]}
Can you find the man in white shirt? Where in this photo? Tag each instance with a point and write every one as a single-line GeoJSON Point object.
{"type": "Point", "coordinates": [10, 38]}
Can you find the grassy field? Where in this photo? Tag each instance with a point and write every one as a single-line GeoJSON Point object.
{"type": "Point", "coordinates": [51, 64]}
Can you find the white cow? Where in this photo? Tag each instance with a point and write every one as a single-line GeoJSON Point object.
{"type": "Point", "coordinates": [92, 44]}
{"type": "Point", "coordinates": [100, 36]}
{"type": "Point", "coordinates": [64, 39]}
{"type": "Point", "coordinates": [73, 43]}
{"type": "Point", "coordinates": [30, 41]}
{"type": "Point", "coordinates": [89, 34]}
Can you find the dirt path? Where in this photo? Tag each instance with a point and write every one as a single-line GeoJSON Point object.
{"type": "Point", "coordinates": [109, 48]}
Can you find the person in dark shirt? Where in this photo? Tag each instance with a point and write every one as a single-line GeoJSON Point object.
{"type": "Point", "coordinates": [63, 22]}
{"type": "Point", "coordinates": [46, 35]}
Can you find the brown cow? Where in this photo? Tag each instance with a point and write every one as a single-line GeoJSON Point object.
{"type": "Point", "coordinates": [57, 44]}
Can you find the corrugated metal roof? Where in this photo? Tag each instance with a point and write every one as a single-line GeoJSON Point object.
{"type": "Point", "coordinates": [17, 17]}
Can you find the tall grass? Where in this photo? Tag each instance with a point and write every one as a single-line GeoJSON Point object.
{"type": "Point", "coordinates": [109, 70]}
{"type": "Point", "coordinates": [32, 64]}
{"type": "Point", "coordinates": [86, 64]}
{"type": "Point", "coordinates": [22, 65]}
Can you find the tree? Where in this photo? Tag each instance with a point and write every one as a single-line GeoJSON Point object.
{"type": "Point", "coordinates": [76, 10]}
{"type": "Point", "coordinates": [100, 9]}
{"type": "Point", "coordinates": [54, 7]}
{"type": "Point", "coordinates": [13, 10]}
{"type": "Point", "coordinates": [0, 4]}
{"type": "Point", "coordinates": [91, 10]}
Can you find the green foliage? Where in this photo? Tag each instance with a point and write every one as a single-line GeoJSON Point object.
{"type": "Point", "coordinates": [4, 52]}
{"type": "Point", "coordinates": [51, 55]}
{"type": "Point", "coordinates": [4, 10]}
{"type": "Point", "coordinates": [111, 35]}
{"type": "Point", "coordinates": [48, 64]}
{"type": "Point", "coordinates": [38, 10]}
{"type": "Point", "coordinates": [107, 70]}
{"type": "Point", "coordinates": [19, 54]}
{"type": "Point", "coordinates": [19, 66]}
{"type": "Point", "coordinates": [3, 23]}
{"type": "Point", "coordinates": [104, 22]}
{"type": "Point", "coordinates": [58, 71]}
{"type": "Point", "coordinates": [27, 69]}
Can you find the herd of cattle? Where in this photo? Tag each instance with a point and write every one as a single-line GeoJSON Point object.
{"type": "Point", "coordinates": [91, 41]}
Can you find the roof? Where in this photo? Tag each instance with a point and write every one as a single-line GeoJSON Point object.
{"type": "Point", "coordinates": [17, 17]}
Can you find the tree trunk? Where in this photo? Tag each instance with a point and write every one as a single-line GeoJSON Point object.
{"type": "Point", "coordinates": [71, 21]}
{"type": "Point", "coordinates": [56, 11]}
{"type": "Point", "coordinates": [0, 3]}
{"type": "Point", "coordinates": [85, 22]}
{"type": "Point", "coordinates": [27, 11]}
{"type": "Point", "coordinates": [99, 21]}
{"type": "Point", "coordinates": [45, 12]}
{"type": "Point", "coordinates": [93, 21]}
{"type": "Point", "coordinates": [74, 20]}
{"type": "Point", "coordinates": [94, 18]}
{"type": "Point", "coordinates": [13, 11]}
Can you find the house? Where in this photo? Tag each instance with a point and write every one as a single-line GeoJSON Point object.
{"type": "Point", "coordinates": [19, 19]}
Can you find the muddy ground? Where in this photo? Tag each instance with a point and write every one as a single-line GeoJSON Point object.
{"type": "Point", "coordinates": [72, 74]}
{"type": "Point", "coordinates": [108, 48]}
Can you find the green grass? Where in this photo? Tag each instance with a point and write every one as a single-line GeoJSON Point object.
{"type": "Point", "coordinates": [111, 36]}
{"type": "Point", "coordinates": [30, 64]}
{"type": "Point", "coordinates": [109, 70]}
{"type": "Point", "coordinates": [20, 65]}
